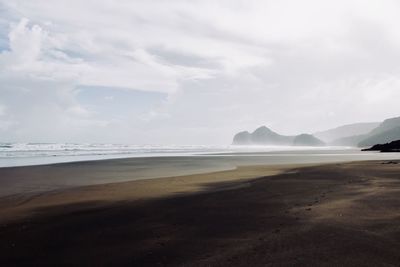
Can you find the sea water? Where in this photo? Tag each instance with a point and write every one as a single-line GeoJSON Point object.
{"type": "Point", "coordinates": [25, 154]}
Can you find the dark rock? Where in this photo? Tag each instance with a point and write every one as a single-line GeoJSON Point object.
{"type": "Point", "coordinates": [388, 147]}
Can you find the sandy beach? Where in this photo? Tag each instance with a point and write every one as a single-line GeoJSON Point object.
{"type": "Point", "coordinates": [340, 214]}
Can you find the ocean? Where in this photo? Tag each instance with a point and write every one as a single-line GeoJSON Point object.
{"type": "Point", "coordinates": [26, 154]}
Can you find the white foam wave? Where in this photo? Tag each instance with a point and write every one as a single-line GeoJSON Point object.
{"type": "Point", "coordinates": [18, 150]}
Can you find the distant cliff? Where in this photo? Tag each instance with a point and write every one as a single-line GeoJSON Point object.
{"type": "Point", "coordinates": [265, 136]}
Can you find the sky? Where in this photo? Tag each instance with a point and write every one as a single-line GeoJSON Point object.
{"type": "Point", "coordinates": [193, 72]}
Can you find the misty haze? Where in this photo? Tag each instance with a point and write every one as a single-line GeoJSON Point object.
{"type": "Point", "coordinates": [199, 133]}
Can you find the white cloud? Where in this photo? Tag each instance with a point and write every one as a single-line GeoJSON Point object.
{"type": "Point", "coordinates": [2, 110]}
{"type": "Point", "coordinates": [226, 65]}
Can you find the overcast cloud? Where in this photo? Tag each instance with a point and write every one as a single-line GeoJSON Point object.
{"type": "Point", "coordinates": [193, 72]}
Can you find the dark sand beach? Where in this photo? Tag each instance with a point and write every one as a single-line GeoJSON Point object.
{"type": "Point", "coordinates": [340, 214]}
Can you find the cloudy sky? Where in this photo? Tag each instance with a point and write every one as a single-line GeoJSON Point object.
{"type": "Point", "coordinates": [193, 72]}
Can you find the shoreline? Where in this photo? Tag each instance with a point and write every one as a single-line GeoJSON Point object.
{"type": "Point", "coordinates": [42, 178]}
{"type": "Point", "coordinates": [338, 214]}
{"type": "Point", "coordinates": [22, 161]}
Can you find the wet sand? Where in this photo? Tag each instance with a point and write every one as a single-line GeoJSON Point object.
{"type": "Point", "coordinates": [31, 180]}
{"type": "Point", "coordinates": [342, 214]}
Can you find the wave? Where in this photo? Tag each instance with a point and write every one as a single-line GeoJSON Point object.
{"type": "Point", "coordinates": [18, 150]}
{"type": "Point", "coordinates": [71, 149]}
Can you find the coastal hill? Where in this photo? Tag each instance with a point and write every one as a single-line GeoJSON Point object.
{"type": "Point", "coordinates": [357, 135]}
{"type": "Point", "coordinates": [381, 138]}
{"type": "Point", "coordinates": [345, 131]}
{"type": "Point", "coordinates": [387, 131]}
{"type": "Point", "coordinates": [265, 136]}
{"type": "Point", "coordinates": [386, 125]}
{"type": "Point", "coordinates": [393, 146]}
{"type": "Point", "coordinates": [307, 140]}
{"type": "Point", "coordinates": [349, 140]}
